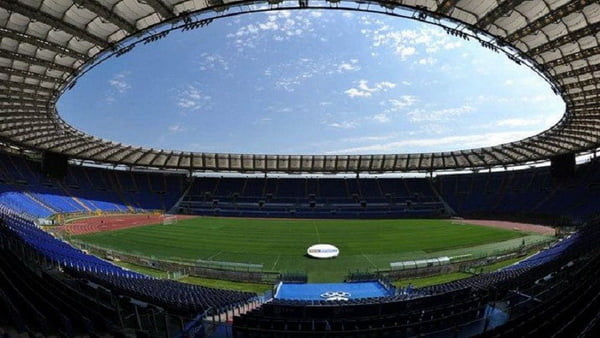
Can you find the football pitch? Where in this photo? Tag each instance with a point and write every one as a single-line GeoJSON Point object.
{"type": "Point", "coordinates": [280, 244]}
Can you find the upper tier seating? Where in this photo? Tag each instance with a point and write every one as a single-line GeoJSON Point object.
{"type": "Point", "coordinates": [25, 188]}
{"type": "Point", "coordinates": [312, 198]}
{"type": "Point", "coordinates": [529, 193]}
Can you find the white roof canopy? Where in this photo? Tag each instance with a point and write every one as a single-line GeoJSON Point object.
{"type": "Point", "coordinates": [46, 44]}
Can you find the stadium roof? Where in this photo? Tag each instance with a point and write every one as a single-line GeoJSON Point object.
{"type": "Point", "coordinates": [45, 45]}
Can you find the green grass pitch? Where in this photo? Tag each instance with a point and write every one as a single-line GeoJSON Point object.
{"type": "Point", "coordinates": [280, 244]}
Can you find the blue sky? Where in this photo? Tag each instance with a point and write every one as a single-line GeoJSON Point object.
{"type": "Point", "coordinates": [312, 82]}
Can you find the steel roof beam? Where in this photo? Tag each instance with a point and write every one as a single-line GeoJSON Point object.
{"type": "Point", "coordinates": [581, 84]}
{"type": "Point", "coordinates": [507, 153]}
{"type": "Point", "coordinates": [585, 106]}
{"type": "Point", "coordinates": [7, 102]}
{"type": "Point", "coordinates": [447, 6]}
{"type": "Point", "coordinates": [160, 7]}
{"type": "Point", "coordinates": [518, 148]}
{"type": "Point", "coordinates": [33, 60]}
{"type": "Point", "coordinates": [30, 132]}
{"type": "Point", "coordinates": [548, 140]}
{"type": "Point", "coordinates": [43, 44]}
{"type": "Point", "coordinates": [579, 55]}
{"type": "Point", "coordinates": [92, 148]}
{"type": "Point", "coordinates": [36, 14]}
{"type": "Point", "coordinates": [585, 94]}
{"type": "Point", "coordinates": [30, 75]}
{"type": "Point", "coordinates": [534, 146]}
{"type": "Point", "coordinates": [133, 152]}
{"type": "Point", "coordinates": [564, 39]}
{"type": "Point", "coordinates": [107, 14]}
{"type": "Point", "coordinates": [498, 12]}
{"type": "Point", "coordinates": [579, 71]}
{"type": "Point", "coordinates": [570, 140]}
{"type": "Point", "coordinates": [121, 151]}
{"type": "Point", "coordinates": [547, 19]}
{"type": "Point", "coordinates": [47, 132]}
{"type": "Point", "coordinates": [107, 147]}
{"type": "Point", "coordinates": [66, 140]}
{"type": "Point", "coordinates": [26, 86]}
{"type": "Point", "coordinates": [14, 92]}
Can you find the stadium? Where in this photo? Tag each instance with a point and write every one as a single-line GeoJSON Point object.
{"type": "Point", "coordinates": [102, 238]}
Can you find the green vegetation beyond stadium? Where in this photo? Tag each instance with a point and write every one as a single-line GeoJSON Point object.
{"type": "Point", "coordinates": [280, 244]}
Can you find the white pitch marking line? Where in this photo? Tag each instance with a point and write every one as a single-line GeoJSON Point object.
{"type": "Point", "coordinates": [317, 231]}
{"type": "Point", "coordinates": [367, 258]}
{"type": "Point", "coordinates": [276, 261]}
{"type": "Point", "coordinates": [213, 256]}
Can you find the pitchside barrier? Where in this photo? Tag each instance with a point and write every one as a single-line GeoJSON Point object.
{"type": "Point", "coordinates": [241, 272]}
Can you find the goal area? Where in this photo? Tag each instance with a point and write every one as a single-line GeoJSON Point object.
{"type": "Point", "coordinates": [169, 219]}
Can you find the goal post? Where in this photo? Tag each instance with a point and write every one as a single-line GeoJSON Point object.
{"type": "Point", "coordinates": [168, 219]}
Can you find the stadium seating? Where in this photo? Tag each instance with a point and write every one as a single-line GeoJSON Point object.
{"type": "Point", "coordinates": [174, 296]}
{"type": "Point", "coordinates": [23, 187]}
{"type": "Point", "coordinates": [312, 198]}
{"type": "Point", "coordinates": [560, 278]}
{"type": "Point", "coordinates": [524, 194]}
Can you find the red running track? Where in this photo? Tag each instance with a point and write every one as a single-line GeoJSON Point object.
{"type": "Point", "coordinates": [114, 222]}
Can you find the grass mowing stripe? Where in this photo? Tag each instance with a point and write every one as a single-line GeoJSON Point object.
{"type": "Point", "coordinates": [282, 243]}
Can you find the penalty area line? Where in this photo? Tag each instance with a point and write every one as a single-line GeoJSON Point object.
{"type": "Point", "coordinates": [370, 261]}
{"type": "Point", "coordinates": [213, 256]}
{"type": "Point", "coordinates": [276, 261]}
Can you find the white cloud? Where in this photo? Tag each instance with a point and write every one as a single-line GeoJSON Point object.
{"type": "Point", "coordinates": [519, 122]}
{"type": "Point", "coordinates": [421, 115]}
{"type": "Point", "coordinates": [404, 52]}
{"type": "Point", "coordinates": [449, 142]}
{"type": "Point", "coordinates": [192, 98]}
{"type": "Point", "coordinates": [361, 139]}
{"type": "Point", "coordinates": [343, 124]}
{"type": "Point", "coordinates": [176, 128]}
{"type": "Point", "coordinates": [353, 92]}
{"type": "Point", "coordinates": [407, 43]}
{"type": "Point", "coordinates": [119, 82]}
{"type": "Point", "coordinates": [281, 24]}
{"type": "Point", "coordinates": [290, 75]}
{"type": "Point", "coordinates": [118, 86]}
{"type": "Point", "coordinates": [364, 90]}
{"type": "Point", "coordinates": [402, 102]}
{"type": "Point", "coordinates": [347, 66]}
{"type": "Point", "coordinates": [212, 61]}
{"type": "Point", "coordinates": [381, 118]}
{"type": "Point", "coordinates": [428, 61]}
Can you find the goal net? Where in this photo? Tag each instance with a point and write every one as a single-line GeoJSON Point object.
{"type": "Point", "coordinates": [169, 219]}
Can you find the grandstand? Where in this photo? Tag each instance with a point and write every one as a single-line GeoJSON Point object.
{"type": "Point", "coordinates": [49, 168]}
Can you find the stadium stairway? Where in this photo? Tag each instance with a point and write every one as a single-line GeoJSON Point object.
{"type": "Point", "coordinates": [118, 189]}
{"type": "Point", "coordinates": [77, 200]}
{"type": "Point", "coordinates": [437, 194]}
{"type": "Point", "coordinates": [174, 209]}
{"type": "Point", "coordinates": [38, 201]}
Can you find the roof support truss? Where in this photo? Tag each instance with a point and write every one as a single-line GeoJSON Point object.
{"type": "Point", "coordinates": [35, 61]}
{"type": "Point", "coordinates": [572, 36]}
{"type": "Point", "coordinates": [496, 13]}
{"type": "Point", "coordinates": [547, 19]}
{"type": "Point", "coordinates": [51, 21]}
{"type": "Point", "coordinates": [106, 14]}
{"type": "Point", "coordinates": [161, 8]}
{"type": "Point", "coordinates": [32, 40]}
